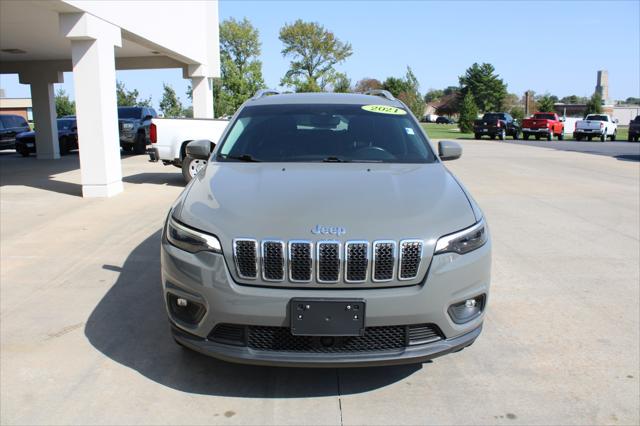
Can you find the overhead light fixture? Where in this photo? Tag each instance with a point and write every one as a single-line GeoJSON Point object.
{"type": "Point", "coordinates": [155, 52]}
{"type": "Point", "coordinates": [13, 51]}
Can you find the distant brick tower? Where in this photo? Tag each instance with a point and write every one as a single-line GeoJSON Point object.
{"type": "Point", "coordinates": [602, 85]}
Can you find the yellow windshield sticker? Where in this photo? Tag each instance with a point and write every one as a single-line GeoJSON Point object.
{"type": "Point", "coordinates": [384, 109]}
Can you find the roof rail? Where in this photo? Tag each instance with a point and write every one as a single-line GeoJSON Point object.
{"type": "Point", "coordinates": [264, 92]}
{"type": "Point", "coordinates": [380, 92]}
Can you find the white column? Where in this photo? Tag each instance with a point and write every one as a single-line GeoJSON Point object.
{"type": "Point", "coordinates": [94, 76]}
{"type": "Point", "coordinates": [44, 116]}
{"type": "Point", "coordinates": [202, 97]}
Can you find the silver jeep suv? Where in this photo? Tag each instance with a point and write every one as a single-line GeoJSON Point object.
{"type": "Point", "coordinates": [325, 231]}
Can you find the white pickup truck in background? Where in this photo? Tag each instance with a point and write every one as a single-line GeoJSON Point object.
{"type": "Point", "coordinates": [170, 136]}
{"type": "Point", "coordinates": [596, 126]}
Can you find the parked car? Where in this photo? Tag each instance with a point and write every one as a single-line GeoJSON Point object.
{"type": "Point", "coordinates": [634, 129]}
{"type": "Point", "coordinates": [444, 120]}
{"type": "Point", "coordinates": [496, 124]}
{"type": "Point", "coordinates": [596, 126]}
{"type": "Point", "coordinates": [302, 242]}
{"type": "Point", "coordinates": [67, 138]}
{"type": "Point", "coordinates": [543, 124]}
{"type": "Point", "coordinates": [133, 124]}
{"type": "Point", "coordinates": [169, 138]}
{"type": "Point", "coordinates": [10, 126]}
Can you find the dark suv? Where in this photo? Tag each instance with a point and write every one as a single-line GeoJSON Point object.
{"type": "Point", "coordinates": [67, 138]}
{"type": "Point", "coordinates": [496, 124]}
{"type": "Point", "coordinates": [133, 124]}
{"type": "Point", "coordinates": [634, 129]}
{"type": "Point", "coordinates": [10, 126]}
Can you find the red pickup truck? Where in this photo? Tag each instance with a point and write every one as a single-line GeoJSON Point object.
{"type": "Point", "coordinates": [541, 124]}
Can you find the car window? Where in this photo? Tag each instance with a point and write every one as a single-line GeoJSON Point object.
{"type": "Point", "coordinates": [129, 112]}
{"type": "Point", "coordinates": [9, 121]}
{"type": "Point", "coordinates": [545, 116]}
{"type": "Point", "coordinates": [596, 117]}
{"type": "Point", "coordinates": [493, 116]}
{"type": "Point", "coordinates": [325, 132]}
{"type": "Point", "coordinates": [65, 124]}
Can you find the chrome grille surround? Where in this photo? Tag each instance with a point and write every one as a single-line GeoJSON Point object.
{"type": "Point", "coordinates": [329, 251]}
{"type": "Point", "coordinates": [411, 252]}
{"type": "Point", "coordinates": [273, 260]}
{"type": "Point", "coordinates": [384, 264]}
{"type": "Point", "coordinates": [246, 258]}
{"type": "Point", "coordinates": [356, 264]}
{"type": "Point", "coordinates": [298, 261]}
{"type": "Point", "coordinates": [319, 264]}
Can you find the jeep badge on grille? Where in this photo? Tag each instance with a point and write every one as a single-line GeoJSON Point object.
{"type": "Point", "coordinates": [327, 230]}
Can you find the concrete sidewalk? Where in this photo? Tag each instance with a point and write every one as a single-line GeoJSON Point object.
{"type": "Point", "coordinates": [85, 340]}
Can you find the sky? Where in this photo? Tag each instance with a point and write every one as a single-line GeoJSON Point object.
{"type": "Point", "coordinates": [545, 46]}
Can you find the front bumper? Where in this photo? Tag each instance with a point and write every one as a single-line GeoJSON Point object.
{"type": "Point", "coordinates": [244, 355]}
{"type": "Point", "coordinates": [204, 278]}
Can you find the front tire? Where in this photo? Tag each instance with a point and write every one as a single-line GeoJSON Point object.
{"type": "Point", "coordinates": [516, 135]}
{"type": "Point", "coordinates": [190, 167]}
{"type": "Point", "coordinates": [24, 151]}
{"type": "Point", "coordinates": [603, 137]}
{"type": "Point", "coordinates": [477, 136]}
{"type": "Point", "coordinates": [140, 144]}
{"type": "Point", "coordinates": [64, 146]}
{"type": "Point", "coordinates": [613, 136]}
{"type": "Point", "coordinates": [525, 136]}
{"type": "Point", "coordinates": [502, 135]}
{"type": "Point", "coordinates": [550, 136]}
{"type": "Point", "coordinates": [561, 136]}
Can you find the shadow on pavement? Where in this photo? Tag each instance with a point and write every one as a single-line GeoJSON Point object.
{"type": "Point", "coordinates": [171, 179]}
{"type": "Point", "coordinates": [29, 171]}
{"type": "Point", "coordinates": [130, 326]}
{"type": "Point", "coordinates": [629, 157]}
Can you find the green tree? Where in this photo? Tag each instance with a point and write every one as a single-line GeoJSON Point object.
{"type": "Point", "coordinates": [314, 51]}
{"type": "Point", "coordinates": [468, 113]}
{"type": "Point", "coordinates": [129, 97]}
{"type": "Point", "coordinates": [517, 112]}
{"type": "Point", "coordinates": [632, 100]}
{"type": "Point", "coordinates": [433, 95]}
{"type": "Point", "coordinates": [573, 99]}
{"type": "Point", "coordinates": [594, 105]}
{"type": "Point", "coordinates": [170, 103]}
{"type": "Point", "coordinates": [545, 103]}
{"type": "Point", "coordinates": [411, 95]}
{"type": "Point", "coordinates": [342, 83]}
{"type": "Point", "coordinates": [487, 88]}
{"type": "Point", "coordinates": [395, 85]}
{"type": "Point", "coordinates": [64, 105]}
{"type": "Point", "coordinates": [241, 71]}
{"type": "Point", "coordinates": [367, 84]}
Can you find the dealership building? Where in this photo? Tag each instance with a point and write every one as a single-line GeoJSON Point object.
{"type": "Point", "coordinates": [39, 40]}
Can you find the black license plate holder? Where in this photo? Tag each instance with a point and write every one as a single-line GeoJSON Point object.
{"type": "Point", "coordinates": [327, 317]}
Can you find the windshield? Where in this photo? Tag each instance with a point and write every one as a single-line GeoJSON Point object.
{"type": "Point", "coordinates": [325, 132]}
{"type": "Point", "coordinates": [493, 117]}
{"type": "Point", "coordinates": [544, 116]}
{"type": "Point", "coordinates": [65, 124]}
{"type": "Point", "coordinates": [129, 112]}
{"type": "Point", "coordinates": [596, 117]}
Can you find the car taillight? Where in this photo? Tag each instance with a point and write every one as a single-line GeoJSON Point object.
{"type": "Point", "coordinates": [601, 125]}
{"type": "Point", "coordinates": [153, 134]}
{"type": "Point", "coordinates": [499, 124]}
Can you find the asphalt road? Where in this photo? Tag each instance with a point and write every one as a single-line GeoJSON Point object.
{"type": "Point", "coordinates": [629, 151]}
{"type": "Point", "coordinates": [85, 340]}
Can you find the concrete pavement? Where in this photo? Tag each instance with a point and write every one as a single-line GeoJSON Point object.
{"type": "Point", "coordinates": [84, 339]}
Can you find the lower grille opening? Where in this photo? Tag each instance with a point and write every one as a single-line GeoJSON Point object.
{"type": "Point", "coordinates": [280, 339]}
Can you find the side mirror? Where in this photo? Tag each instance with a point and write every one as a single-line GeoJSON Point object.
{"type": "Point", "coordinates": [448, 150]}
{"type": "Point", "coordinates": [147, 117]}
{"type": "Point", "coordinates": [615, 120]}
{"type": "Point", "coordinates": [200, 149]}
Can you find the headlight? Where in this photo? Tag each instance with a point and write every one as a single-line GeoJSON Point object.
{"type": "Point", "coordinates": [189, 239]}
{"type": "Point", "coordinates": [463, 241]}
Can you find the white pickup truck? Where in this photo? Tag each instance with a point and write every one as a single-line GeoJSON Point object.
{"type": "Point", "coordinates": [596, 126]}
{"type": "Point", "coordinates": [170, 136]}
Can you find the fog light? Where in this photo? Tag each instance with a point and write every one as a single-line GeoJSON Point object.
{"type": "Point", "coordinates": [468, 310]}
{"type": "Point", "coordinates": [185, 310]}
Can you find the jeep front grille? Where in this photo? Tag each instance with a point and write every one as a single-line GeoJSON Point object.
{"type": "Point", "coordinates": [410, 256]}
{"type": "Point", "coordinates": [300, 261]}
{"type": "Point", "coordinates": [328, 262]}
{"type": "Point", "coordinates": [273, 260]}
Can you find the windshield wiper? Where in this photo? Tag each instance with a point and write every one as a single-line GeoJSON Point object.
{"type": "Point", "coordinates": [335, 160]}
{"type": "Point", "coordinates": [244, 157]}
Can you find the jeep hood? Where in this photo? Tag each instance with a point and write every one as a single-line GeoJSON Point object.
{"type": "Point", "coordinates": [286, 200]}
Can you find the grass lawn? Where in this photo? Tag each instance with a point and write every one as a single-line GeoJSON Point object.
{"type": "Point", "coordinates": [451, 131]}
{"type": "Point", "coordinates": [444, 131]}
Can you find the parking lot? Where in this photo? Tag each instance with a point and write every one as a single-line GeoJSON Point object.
{"type": "Point", "coordinates": [85, 337]}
